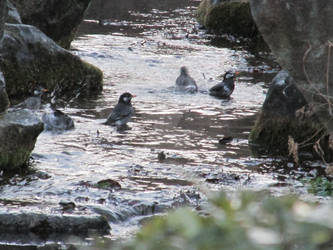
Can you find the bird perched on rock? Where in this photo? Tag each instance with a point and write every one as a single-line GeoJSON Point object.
{"type": "Point", "coordinates": [57, 120]}
{"type": "Point", "coordinates": [185, 83]}
{"type": "Point", "coordinates": [33, 102]}
{"type": "Point", "coordinates": [122, 112]}
{"type": "Point", "coordinates": [225, 88]}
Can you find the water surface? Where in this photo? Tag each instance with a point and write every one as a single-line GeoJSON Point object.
{"type": "Point", "coordinates": [141, 51]}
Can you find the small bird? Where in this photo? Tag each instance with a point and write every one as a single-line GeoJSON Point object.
{"type": "Point", "coordinates": [122, 112]}
{"type": "Point", "coordinates": [57, 120]}
{"type": "Point", "coordinates": [225, 88]}
{"type": "Point", "coordinates": [33, 102]}
{"type": "Point", "coordinates": [185, 83]}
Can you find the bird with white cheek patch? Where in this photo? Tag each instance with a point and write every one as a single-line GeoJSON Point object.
{"type": "Point", "coordinates": [122, 112]}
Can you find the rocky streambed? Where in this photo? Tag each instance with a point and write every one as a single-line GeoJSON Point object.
{"type": "Point", "coordinates": [171, 154]}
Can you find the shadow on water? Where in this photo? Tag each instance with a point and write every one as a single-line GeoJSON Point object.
{"type": "Point", "coordinates": [171, 154]}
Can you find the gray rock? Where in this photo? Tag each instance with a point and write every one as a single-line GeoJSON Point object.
{"type": "Point", "coordinates": [13, 15]}
{"type": "Point", "coordinates": [45, 224]}
{"type": "Point", "coordinates": [18, 134]}
{"type": "Point", "coordinates": [58, 19]}
{"type": "Point", "coordinates": [29, 58]}
{"type": "Point", "coordinates": [3, 16]}
{"type": "Point", "coordinates": [300, 33]}
{"type": "Point", "coordinates": [4, 101]}
{"type": "Point", "coordinates": [227, 17]}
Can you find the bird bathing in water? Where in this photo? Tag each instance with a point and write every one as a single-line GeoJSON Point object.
{"type": "Point", "coordinates": [225, 88]}
{"type": "Point", "coordinates": [57, 121]}
{"type": "Point", "coordinates": [122, 112]}
{"type": "Point", "coordinates": [185, 83]}
{"type": "Point", "coordinates": [34, 102]}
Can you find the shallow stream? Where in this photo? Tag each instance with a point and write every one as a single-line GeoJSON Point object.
{"type": "Point", "coordinates": [141, 51]}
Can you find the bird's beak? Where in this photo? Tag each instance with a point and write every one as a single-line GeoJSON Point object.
{"type": "Point", "coordinates": [237, 73]}
{"type": "Point", "coordinates": [45, 90]}
{"type": "Point", "coordinates": [133, 96]}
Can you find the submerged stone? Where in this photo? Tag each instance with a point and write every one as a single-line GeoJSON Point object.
{"type": "Point", "coordinates": [29, 58]}
{"type": "Point", "coordinates": [18, 134]}
{"type": "Point", "coordinates": [46, 224]}
{"type": "Point", "coordinates": [286, 113]}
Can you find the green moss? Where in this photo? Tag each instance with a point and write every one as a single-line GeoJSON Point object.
{"type": "Point", "coordinates": [270, 135]}
{"type": "Point", "coordinates": [320, 186]}
{"type": "Point", "coordinates": [13, 160]}
{"type": "Point", "coordinates": [30, 59]}
{"type": "Point", "coordinates": [232, 18]}
{"type": "Point", "coordinates": [69, 72]}
{"type": "Point", "coordinates": [202, 11]}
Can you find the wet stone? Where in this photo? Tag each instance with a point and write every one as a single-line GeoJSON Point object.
{"type": "Point", "coordinates": [4, 101]}
{"type": "Point", "coordinates": [3, 16]}
{"type": "Point", "coordinates": [18, 134]}
{"type": "Point", "coordinates": [57, 19]}
{"type": "Point", "coordinates": [45, 224]}
{"type": "Point", "coordinates": [108, 184]}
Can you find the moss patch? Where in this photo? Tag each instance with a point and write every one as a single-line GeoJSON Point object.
{"type": "Point", "coordinates": [232, 18]}
{"type": "Point", "coordinates": [34, 60]}
{"type": "Point", "coordinates": [270, 136]}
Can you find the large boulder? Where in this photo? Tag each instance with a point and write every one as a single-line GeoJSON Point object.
{"type": "Point", "coordinates": [58, 19]}
{"type": "Point", "coordinates": [4, 101]}
{"type": "Point", "coordinates": [3, 16]}
{"type": "Point", "coordinates": [29, 59]}
{"type": "Point", "coordinates": [286, 118]}
{"type": "Point", "coordinates": [300, 35]}
{"type": "Point", "coordinates": [18, 134]}
{"type": "Point", "coordinates": [231, 17]}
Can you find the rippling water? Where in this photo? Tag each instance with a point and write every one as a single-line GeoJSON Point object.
{"type": "Point", "coordinates": [142, 54]}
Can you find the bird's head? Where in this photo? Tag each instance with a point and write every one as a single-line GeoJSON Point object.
{"type": "Point", "coordinates": [126, 98]}
{"type": "Point", "coordinates": [40, 91]}
{"type": "Point", "coordinates": [183, 71]}
{"type": "Point", "coordinates": [230, 75]}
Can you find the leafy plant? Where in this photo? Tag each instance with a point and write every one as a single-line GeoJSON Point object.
{"type": "Point", "coordinates": [251, 221]}
{"type": "Point", "coordinates": [321, 186]}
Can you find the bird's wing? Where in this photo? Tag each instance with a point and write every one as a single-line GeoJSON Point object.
{"type": "Point", "coordinates": [218, 87]}
{"type": "Point", "coordinates": [180, 81]}
{"type": "Point", "coordinates": [226, 90]}
{"type": "Point", "coordinates": [119, 112]}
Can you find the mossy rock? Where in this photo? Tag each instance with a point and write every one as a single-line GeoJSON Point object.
{"type": "Point", "coordinates": [227, 17]}
{"type": "Point", "coordinates": [285, 114]}
{"type": "Point", "coordinates": [31, 59]}
{"type": "Point", "coordinates": [4, 101]}
{"type": "Point", "coordinates": [58, 19]}
{"type": "Point", "coordinates": [270, 135]}
{"type": "Point", "coordinates": [18, 134]}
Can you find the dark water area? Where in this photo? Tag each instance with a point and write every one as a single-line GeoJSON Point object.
{"type": "Point", "coordinates": [171, 155]}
